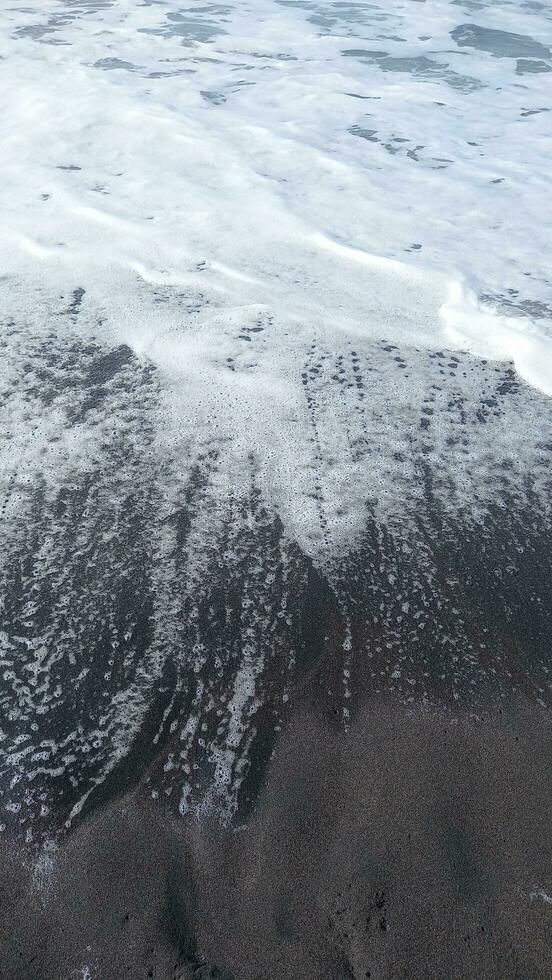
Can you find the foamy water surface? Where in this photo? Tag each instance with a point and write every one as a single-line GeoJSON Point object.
{"type": "Point", "coordinates": [340, 166]}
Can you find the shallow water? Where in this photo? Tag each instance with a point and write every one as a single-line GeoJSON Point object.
{"type": "Point", "coordinates": [222, 134]}
{"type": "Point", "coordinates": [276, 366]}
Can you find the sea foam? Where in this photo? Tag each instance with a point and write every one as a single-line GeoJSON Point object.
{"type": "Point", "coordinates": [366, 169]}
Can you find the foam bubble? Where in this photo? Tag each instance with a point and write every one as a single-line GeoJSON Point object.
{"type": "Point", "coordinates": [489, 333]}
{"type": "Point", "coordinates": [266, 198]}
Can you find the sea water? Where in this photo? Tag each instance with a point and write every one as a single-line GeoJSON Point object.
{"type": "Point", "coordinates": [294, 251]}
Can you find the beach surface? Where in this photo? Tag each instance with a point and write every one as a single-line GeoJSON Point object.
{"type": "Point", "coordinates": [275, 491]}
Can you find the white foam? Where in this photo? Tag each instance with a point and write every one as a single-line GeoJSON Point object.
{"type": "Point", "coordinates": [270, 189]}
{"type": "Point", "coordinates": [488, 333]}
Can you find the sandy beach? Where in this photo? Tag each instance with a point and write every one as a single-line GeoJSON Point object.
{"type": "Point", "coordinates": [275, 490]}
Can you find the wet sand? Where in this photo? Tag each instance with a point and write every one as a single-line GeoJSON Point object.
{"type": "Point", "coordinates": [226, 754]}
{"type": "Point", "coordinates": [416, 845]}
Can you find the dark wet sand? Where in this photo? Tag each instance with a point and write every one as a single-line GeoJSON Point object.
{"type": "Point", "coordinates": [417, 845]}
{"type": "Point", "coordinates": [386, 714]}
